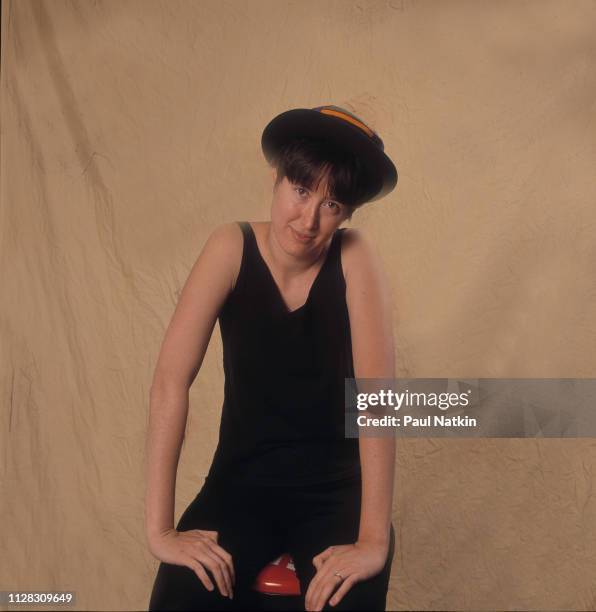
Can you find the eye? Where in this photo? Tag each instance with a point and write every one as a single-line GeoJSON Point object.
{"type": "Point", "coordinates": [299, 190]}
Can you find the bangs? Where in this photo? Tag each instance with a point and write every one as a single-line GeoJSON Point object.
{"type": "Point", "coordinates": [308, 162]}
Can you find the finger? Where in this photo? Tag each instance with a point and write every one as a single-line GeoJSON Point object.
{"type": "Point", "coordinates": [209, 538]}
{"type": "Point", "coordinates": [312, 590]}
{"type": "Point", "coordinates": [226, 558]}
{"type": "Point", "coordinates": [320, 559]}
{"type": "Point", "coordinates": [325, 554]}
{"type": "Point", "coordinates": [205, 543]}
{"type": "Point", "coordinates": [201, 573]}
{"type": "Point", "coordinates": [324, 570]}
{"type": "Point", "coordinates": [212, 535]}
{"type": "Point", "coordinates": [326, 581]}
{"type": "Point", "coordinates": [324, 592]}
{"type": "Point", "coordinates": [221, 573]}
{"type": "Point", "coordinates": [308, 596]}
{"type": "Point", "coordinates": [315, 587]}
{"type": "Point", "coordinates": [215, 566]}
{"type": "Point", "coordinates": [343, 589]}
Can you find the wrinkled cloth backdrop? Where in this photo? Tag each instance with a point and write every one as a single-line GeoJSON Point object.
{"type": "Point", "coordinates": [131, 129]}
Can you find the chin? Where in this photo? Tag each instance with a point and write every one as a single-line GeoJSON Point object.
{"type": "Point", "coordinates": [297, 242]}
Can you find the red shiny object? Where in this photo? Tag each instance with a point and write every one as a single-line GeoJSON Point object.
{"type": "Point", "coordinates": [278, 577]}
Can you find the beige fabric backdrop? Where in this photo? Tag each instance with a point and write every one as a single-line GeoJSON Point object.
{"type": "Point", "coordinates": [131, 129]}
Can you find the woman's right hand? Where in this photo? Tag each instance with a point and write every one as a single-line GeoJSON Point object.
{"type": "Point", "coordinates": [197, 549]}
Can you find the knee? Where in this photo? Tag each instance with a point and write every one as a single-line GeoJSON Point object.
{"type": "Point", "coordinates": [364, 595]}
{"type": "Point", "coordinates": [369, 594]}
{"type": "Point", "coordinates": [178, 588]}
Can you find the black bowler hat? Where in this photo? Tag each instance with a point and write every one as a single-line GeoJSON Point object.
{"type": "Point", "coordinates": [335, 124]}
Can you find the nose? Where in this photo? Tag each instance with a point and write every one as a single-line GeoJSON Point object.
{"type": "Point", "coordinates": [310, 216]}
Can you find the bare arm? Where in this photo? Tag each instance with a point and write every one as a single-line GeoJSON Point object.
{"type": "Point", "coordinates": [369, 306]}
{"type": "Point", "coordinates": [180, 358]}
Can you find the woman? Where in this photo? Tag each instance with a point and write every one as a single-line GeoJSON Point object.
{"type": "Point", "coordinates": [302, 305]}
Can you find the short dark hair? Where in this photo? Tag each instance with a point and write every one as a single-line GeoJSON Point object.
{"type": "Point", "coordinates": [307, 161]}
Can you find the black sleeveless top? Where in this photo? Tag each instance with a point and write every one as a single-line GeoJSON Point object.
{"type": "Point", "coordinates": [283, 413]}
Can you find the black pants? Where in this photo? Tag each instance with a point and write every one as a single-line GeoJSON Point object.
{"type": "Point", "coordinates": [256, 525]}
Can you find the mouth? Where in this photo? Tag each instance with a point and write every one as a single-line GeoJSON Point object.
{"type": "Point", "coordinates": [301, 237]}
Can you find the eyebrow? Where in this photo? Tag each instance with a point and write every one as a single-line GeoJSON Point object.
{"type": "Point", "coordinates": [330, 196]}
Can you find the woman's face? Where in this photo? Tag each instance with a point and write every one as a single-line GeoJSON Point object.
{"type": "Point", "coordinates": [303, 220]}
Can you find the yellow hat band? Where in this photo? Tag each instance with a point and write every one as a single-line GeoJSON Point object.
{"type": "Point", "coordinates": [352, 120]}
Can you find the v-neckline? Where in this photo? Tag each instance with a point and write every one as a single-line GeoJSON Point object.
{"type": "Point", "coordinates": [274, 282]}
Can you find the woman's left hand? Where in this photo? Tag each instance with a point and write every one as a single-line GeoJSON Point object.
{"type": "Point", "coordinates": [354, 562]}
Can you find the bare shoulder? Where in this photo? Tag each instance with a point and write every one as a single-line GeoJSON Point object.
{"type": "Point", "coordinates": [359, 257]}
{"type": "Point", "coordinates": [223, 249]}
{"type": "Point", "coordinates": [227, 236]}
{"type": "Point", "coordinates": [210, 281]}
